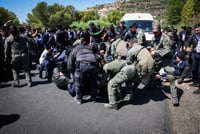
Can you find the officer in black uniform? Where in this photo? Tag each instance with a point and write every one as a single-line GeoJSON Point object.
{"type": "Point", "coordinates": [83, 64]}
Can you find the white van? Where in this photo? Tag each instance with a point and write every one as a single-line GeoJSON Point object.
{"type": "Point", "coordinates": [143, 21]}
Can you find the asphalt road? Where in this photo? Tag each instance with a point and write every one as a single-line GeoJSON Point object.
{"type": "Point", "coordinates": [45, 109]}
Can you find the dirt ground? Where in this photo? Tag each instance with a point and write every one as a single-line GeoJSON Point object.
{"type": "Point", "coordinates": [186, 117]}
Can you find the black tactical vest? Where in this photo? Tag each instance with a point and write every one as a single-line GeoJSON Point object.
{"type": "Point", "coordinates": [18, 46]}
{"type": "Point", "coordinates": [85, 55]}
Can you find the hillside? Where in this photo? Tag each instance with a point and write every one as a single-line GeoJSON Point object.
{"type": "Point", "coordinates": [155, 7]}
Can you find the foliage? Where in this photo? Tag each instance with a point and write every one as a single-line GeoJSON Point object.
{"type": "Point", "coordinates": [44, 15]}
{"type": "Point", "coordinates": [187, 12]}
{"type": "Point", "coordinates": [196, 7]}
{"type": "Point", "coordinates": [85, 25]}
{"type": "Point", "coordinates": [6, 15]}
{"type": "Point", "coordinates": [173, 13]}
{"type": "Point", "coordinates": [195, 20]}
{"type": "Point", "coordinates": [89, 15]}
{"type": "Point", "coordinates": [114, 16]}
{"type": "Point", "coordinates": [182, 12]}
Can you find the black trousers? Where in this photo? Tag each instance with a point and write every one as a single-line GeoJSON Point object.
{"type": "Point", "coordinates": [86, 80]}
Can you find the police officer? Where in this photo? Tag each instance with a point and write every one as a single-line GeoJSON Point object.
{"type": "Point", "coordinates": [161, 42]}
{"type": "Point", "coordinates": [143, 61]}
{"type": "Point", "coordinates": [138, 63]}
{"type": "Point", "coordinates": [16, 53]}
{"type": "Point", "coordinates": [118, 52]}
{"type": "Point", "coordinates": [112, 69]}
{"type": "Point", "coordinates": [161, 46]}
{"type": "Point", "coordinates": [83, 64]}
{"type": "Point", "coordinates": [119, 48]}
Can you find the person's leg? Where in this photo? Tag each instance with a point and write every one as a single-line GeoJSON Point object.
{"type": "Point", "coordinates": [173, 89]}
{"type": "Point", "coordinates": [93, 82]}
{"type": "Point", "coordinates": [16, 69]}
{"type": "Point", "coordinates": [47, 66]}
{"type": "Point", "coordinates": [194, 70]}
{"type": "Point", "coordinates": [26, 67]}
{"type": "Point", "coordinates": [41, 70]}
{"type": "Point", "coordinates": [126, 73]}
{"type": "Point", "coordinates": [80, 76]}
{"type": "Point", "coordinates": [184, 74]}
{"type": "Point", "coordinates": [198, 90]}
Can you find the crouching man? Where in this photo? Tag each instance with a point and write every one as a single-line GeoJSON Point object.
{"type": "Point", "coordinates": [139, 62]}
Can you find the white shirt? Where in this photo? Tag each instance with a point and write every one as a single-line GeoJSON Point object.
{"type": "Point", "coordinates": [43, 56]}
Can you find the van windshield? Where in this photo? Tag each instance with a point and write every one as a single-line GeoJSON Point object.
{"type": "Point", "coordinates": [145, 25]}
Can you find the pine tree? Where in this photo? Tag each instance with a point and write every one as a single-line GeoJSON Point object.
{"type": "Point", "coordinates": [188, 12]}
{"type": "Point", "coordinates": [174, 8]}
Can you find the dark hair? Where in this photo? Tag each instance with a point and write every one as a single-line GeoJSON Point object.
{"type": "Point", "coordinates": [59, 27]}
{"type": "Point", "coordinates": [134, 25]}
{"type": "Point", "coordinates": [184, 27]}
{"type": "Point", "coordinates": [91, 24]}
{"type": "Point", "coordinates": [181, 55]}
{"type": "Point", "coordinates": [102, 46]}
{"type": "Point", "coordinates": [197, 25]}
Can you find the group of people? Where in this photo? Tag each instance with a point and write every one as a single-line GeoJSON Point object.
{"type": "Point", "coordinates": [118, 59]}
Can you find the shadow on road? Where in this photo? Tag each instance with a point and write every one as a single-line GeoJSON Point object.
{"type": "Point", "coordinates": [179, 91]}
{"type": "Point", "coordinates": [34, 83]}
{"type": "Point", "coordinates": [144, 96]}
{"type": "Point", "coordinates": [4, 85]}
{"type": "Point", "coordinates": [8, 119]}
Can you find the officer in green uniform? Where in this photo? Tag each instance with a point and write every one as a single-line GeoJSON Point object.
{"type": "Point", "coordinates": [16, 52]}
{"type": "Point", "coordinates": [162, 46]}
{"type": "Point", "coordinates": [143, 61]}
{"type": "Point", "coordinates": [119, 49]}
{"type": "Point", "coordinates": [139, 62]}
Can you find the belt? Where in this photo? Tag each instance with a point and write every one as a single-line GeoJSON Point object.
{"type": "Point", "coordinates": [89, 64]}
